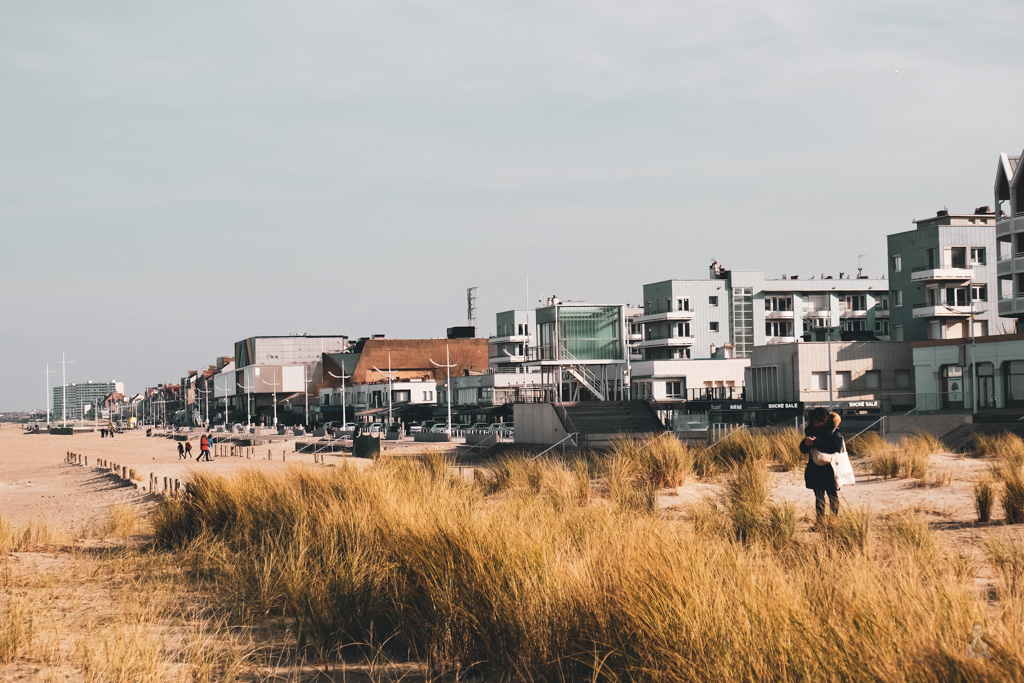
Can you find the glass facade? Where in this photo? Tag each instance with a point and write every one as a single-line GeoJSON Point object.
{"type": "Point", "coordinates": [583, 333]}
{"type": "Point", "coordinates": [743, 321]}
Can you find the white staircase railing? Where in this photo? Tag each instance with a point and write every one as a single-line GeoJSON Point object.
{"type": "Point", "coordinates": [584, 375]}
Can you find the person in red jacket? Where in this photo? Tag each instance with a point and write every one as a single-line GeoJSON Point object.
{"type": "Point", "coordinates": [204, 448]}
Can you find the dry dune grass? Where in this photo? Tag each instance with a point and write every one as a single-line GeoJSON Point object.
{"type": "Point", "coordinates": [547, 570]}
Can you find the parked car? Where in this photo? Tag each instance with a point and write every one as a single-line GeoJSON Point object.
{"type": "Point", "coordinates": [478, 427]}
{"type": "Point", "coordinates": [415, 428]}
{"type": "Point", "coordinates": [440, 428]}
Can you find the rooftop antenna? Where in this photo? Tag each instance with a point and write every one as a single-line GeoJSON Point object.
{"type": "Point", "coordinates": [471, 306]}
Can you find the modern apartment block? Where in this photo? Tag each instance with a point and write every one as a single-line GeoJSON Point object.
{"type": "Point", "coordinates": [582, 347]}
{"type": "Point", "coordinates": [1009, 216]}
{"type": "Point", "coordinates": [694, 318]}
{"type": "Point", "coordinates": [509, 348]}
{"type": "Point", "coordinates": [82, 399]}
{"type": "Point", "coordinates": [943, 272]}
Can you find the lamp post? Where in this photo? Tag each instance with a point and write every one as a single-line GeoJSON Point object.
{"type": "Point", "coordinates": [306, 392]}
{"type": "Point", "coordinates": [48, 397]}
{"type": "Point", "coordinates": [248, 403]}
{"type": "Point", "coordinates": [448, 382]}
{"type": "Point", "coordinates": [391, 379]}
{"type": "Point", "coordinates": [206, 399]}
{"type": "Point", "coordinates": [64, 390]}
{"type": "Point", "coordinates": [275, 385]}
{"type": "Point", "coordinates": [344, 412]}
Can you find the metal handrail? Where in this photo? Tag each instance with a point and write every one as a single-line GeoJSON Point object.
{"type": "Point", "coordinates": [559, 443]}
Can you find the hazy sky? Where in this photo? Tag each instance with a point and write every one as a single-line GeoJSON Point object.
{"type": "Point", "coordinates": [177, 176]}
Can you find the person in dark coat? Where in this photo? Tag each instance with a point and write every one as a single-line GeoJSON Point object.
{"type": "Point", "coordinates": [822, 434]}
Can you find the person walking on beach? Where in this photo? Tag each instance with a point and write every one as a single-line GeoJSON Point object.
{"type": "Point", "coordinates": [188, 448]}
{"type": "Point", "coordinates": [181, 451]}
{"type": "Point", "coordinates": [204, 448]}
{"type": "Point", "coordinates": [822, 437]}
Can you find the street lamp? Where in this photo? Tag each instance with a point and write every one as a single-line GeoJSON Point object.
{"type": "Point", "coordinates": [306, 392]}
{"type": "Point", "coordinates": [344, 412]}
{"type": "Point", "coordinates": [248, 403]}
{"type": "Point", "coordinates": [206, 398]}
{"type": "Point", "coordinates": [275, 385]}
{"type": "Point", "coordinates": [48, 397]}
{"type": "Point", "coordinates": [448, 381]}
{"type": "Point", "coordinates": [391, 379]}
{"type": "Point", "coordinates": [64, 390]}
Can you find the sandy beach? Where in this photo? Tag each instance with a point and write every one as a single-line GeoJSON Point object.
{"type": "Point", "coordinates": [36, 483]}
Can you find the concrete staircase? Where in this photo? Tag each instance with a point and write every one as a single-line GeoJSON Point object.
{"type": "Point", "coordinates": [599, 422]}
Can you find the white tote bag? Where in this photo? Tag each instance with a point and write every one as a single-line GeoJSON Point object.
{"type": "Point", "coordinates": [819, 458]}
{"type": "Point", "coordinates": [842, 469]}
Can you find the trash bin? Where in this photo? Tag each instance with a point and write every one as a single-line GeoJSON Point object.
{"type": "Point", "coordinates": [366, 446]}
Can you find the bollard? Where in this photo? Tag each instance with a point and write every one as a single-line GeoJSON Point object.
{"type": "Point", "coordinates": [87, 461]}
{"type": "Point", "coordinates": [167, 485]}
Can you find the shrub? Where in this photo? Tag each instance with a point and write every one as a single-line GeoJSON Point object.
{"type": "Point", "coordinates": [984, 498]}
{"type": "Point", "coordinates": [662, 460]}
{"type": "Point", "coordinates": [886, 464]}
{"type": "Point", "coordinates": [869, 444]}
{"type": "Point", "coordinates": [1013, 497]}
{"type": "Point", "coordinates": [747, 497]}
{"type": "Point", "coordinates": [1006, 445]}
{"type": "Point", "coordinates": [850, 529]}
{"type": "Point", "coordinates": [909, 529]}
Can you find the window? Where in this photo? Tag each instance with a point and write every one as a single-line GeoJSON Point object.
{"type": "Point", "coordinates": [979, 292]}
{"type": "Point", "coordinates": [843, 379]}
{"type": "Point", "coordinates": [673, 389]}
{"type": "Point", "coordinates": [856, 302]}
{"type": "Point", "coordinates": [882, 328]}
{"type": "Point", "coordinates": [897, 298]}
{"type": "Point", "coordinates": [682, 329]}
{"type": "Point", "coordinates": [682, 304]}
{"type": "Point", "coordinates": [903, 379]}
{"type": "Point", "coordinates": [896, 263]}
{"type": "Point", "coordinates": [712, 301]}
{"type": "Point", "coordinates": [872, 379]}
{"type": "Point", "coordinates": [714, 327]}
{"type": "Point", "coordinates": [819, 381]}
{"type": "Point", "coordinates": [883, 302]}
{"type": "Point", "coordinates": [897, 332]}
{"type": "Point", "coordinates": [853, 325]}
{"type": "Point", "coordinates": [778, 303]}
{"type": "Point", "coordinates": [1020, 282]}
{"type": "Point", "coordinates": [958, 257]}
{"type": "Point", "coordinates": [977, 256]}
{"type": "Point", "coordinates": [778, 328]}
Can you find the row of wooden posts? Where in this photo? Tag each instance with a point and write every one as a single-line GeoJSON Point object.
{"type": "Point", "coordinates": [172, 486]}
{"type": "Point", "coordinates": [168, 486]}
{"type": "Point", "coordinates": [228, 450]}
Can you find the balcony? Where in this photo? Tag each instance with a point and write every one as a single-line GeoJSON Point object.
{"type": "Point", "coordinates": [510, 339]}
{"type": "Point", "coordinates": [925, 274]}
{"type": "Point", "coordinates": [1006, 305]}
{"type": "Point", "coordinates": [853, 313]}
{"type": "Point", "coordinates": [659, 343]}
{"type": "Point", "coordinates": [881, 312]}
{"type": "Point", "coordinates": [776, 315]}
{"type": "Point", "coordinates": [1004, 226]}
{"type": "Point", "coordinates": [513, 358]}
{"type": "Point", "coordinates": [664, 316]}
{"type": "Point", "coordinates": [941, 311]}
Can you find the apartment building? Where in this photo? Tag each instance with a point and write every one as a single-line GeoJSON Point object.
{"type": "Point", "coordinates": [83, 399]}
{"type": "Point", "coordinates": [692, 319]}
{"type": "Point", "coordinates": [273, 374]}
{"type": "Point", "coordinates": [509, 349]}
{"type": "Point", "coordinates": [1009, 216]}
{"type": "Point", "coordinates": [941, 274]}
{"type": "Point", "coordinates": [856, 376]}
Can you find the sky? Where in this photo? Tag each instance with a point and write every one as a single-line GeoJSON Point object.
{"type": "Point", "coordinates": [175, 177]}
